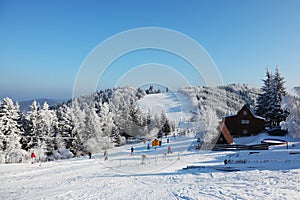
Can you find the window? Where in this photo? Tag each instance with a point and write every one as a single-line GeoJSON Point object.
{"type": "Point", "coordinates": [245, 131]}
{"type": "Point", "coordinates": [245, 121]}
{"type": "Point", "coordinates": [245, 112]}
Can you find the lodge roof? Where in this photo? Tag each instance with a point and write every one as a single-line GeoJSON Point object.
{"type": "Point", "coordinates": [249, 109]}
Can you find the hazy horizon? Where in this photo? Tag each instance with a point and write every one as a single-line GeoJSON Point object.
{"type": "Point", "coordinates": [45, 44]}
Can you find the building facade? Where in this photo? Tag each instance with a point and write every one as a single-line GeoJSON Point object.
{"type": "Point", "coordinates": [244, 123]}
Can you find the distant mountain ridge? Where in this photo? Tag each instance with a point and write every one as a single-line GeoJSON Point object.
{"type": "Point", "coordinates": [25, 105]}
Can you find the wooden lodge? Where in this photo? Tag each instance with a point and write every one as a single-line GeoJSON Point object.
{"type": "Point", "coordinates": [244, 123]}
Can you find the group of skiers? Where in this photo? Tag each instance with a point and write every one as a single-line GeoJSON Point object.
{"type": "Point", "coordinates": [105, 153]}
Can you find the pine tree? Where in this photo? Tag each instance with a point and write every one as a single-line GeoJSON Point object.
{"type": "Point", "coordinates": [166, 129]}
{"type": "Point", "coordinates": [77, 116]}
{"type": "Point", "coordinates": [65, 127]}
{"type": "Point", "coordinates": [10, 130]}
{"type": "Point", "coordinates": [277, 93]}
{"type": "Point", "coordinates": [47, 128]}
{"type": "Point", "coordinates": [269, 101]}
{"type": "Point", "coordinates": [30, 137]}
{"type": "Point", "coordinates": [262, 102]}
{"type": "Point", "coordinates": [92, 138]}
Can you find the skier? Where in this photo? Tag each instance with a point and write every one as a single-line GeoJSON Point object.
{"type": "Point", "coordinates": [169, 149]}
{"type": "Point", "coordinates": [105, 155]}
{"type": "Point", "coordinates": [148, 147]}
{"type": "Point", "coordinates": [32, 157]}
{"type": "Point", "coordinates": [132, 149]}
{"type": "Point", "coordinates": [143, 159]}
{"type": "Point", "coordinates": [90, 155]}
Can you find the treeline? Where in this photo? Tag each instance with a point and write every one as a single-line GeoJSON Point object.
{"type": "Point", "coordinates": [87, 124]}
{"type": "Point", "coordinates": [224, 100]}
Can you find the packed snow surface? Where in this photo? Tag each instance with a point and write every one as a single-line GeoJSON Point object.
{"type": "Point", "coordinates": [176, 106]}
{"type": "Point", "coordinates": [181, 174]}
{"type": "Point", "coordinates": [152, 173]}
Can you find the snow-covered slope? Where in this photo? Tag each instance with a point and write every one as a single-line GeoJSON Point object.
{"type": "Point", "coordinates": [183, 174]}
{"type": "Point", "coordinates": [123, 176]}
{"type": "Point", "coordinates": [176, 106]}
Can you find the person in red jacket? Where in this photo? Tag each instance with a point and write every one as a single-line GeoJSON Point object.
{"type": "Point", "coordinates": [32, 157]}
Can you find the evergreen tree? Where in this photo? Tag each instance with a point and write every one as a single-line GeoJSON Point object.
{"type": "Point", "coordinates": [10, 130]}
{"type": "Point", "coordinates": [165, 125]}
{"type": "Point", "coordinates": [277, 93]}
{"type": "Point", "coordinates": [78, 116]}
{"type": "Point", "coordinates": [30, 137]}
{"type": "Point", "coordinates": [92, 138]}
{"type": "Point", "coordinates": [269, 101]}
{"type": "Point", "coordinates": [47, 128]}
{"type": "Point", "coordinates": [65, 127]}
{"type": "Point", "coordinates": [262, 102]}
{"type": "Point", "coordinates": [166, 129]}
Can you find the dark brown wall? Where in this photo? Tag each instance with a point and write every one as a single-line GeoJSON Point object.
{"type": "Point", "coordinates": [236, 128]}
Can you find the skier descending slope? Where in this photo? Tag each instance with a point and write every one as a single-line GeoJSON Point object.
{"type": "Point", "coordinates": [105, 154]}
{"type": "Point", "coordinates": [32, 157]}
{"type": "Point", "coordinates": [169, 149]}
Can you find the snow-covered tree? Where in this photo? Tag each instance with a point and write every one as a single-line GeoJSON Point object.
{"type": "Point", "coordinates": [66, 125]}
{"type": "Point", "coordinates": [292, 104]}
{"type": "Point", "coordinates": [278, 92]}
{"type": "Point", "coordinates": [47, 128]}
{"type": "Point", "coordinates": [78, 116]}
{"type": "Point", "coordinates": [269, 101]}
{"type": "Point", "coordinates": [166, 127]}
{"type": "Point", "coordinates": [90, 131]}
{"type": "Point", "coordinates": [30, 137]}
{"type": "Point", "coordinates": [209, 123]}
{"type": "Point", "coordinates": [10, 131]}
{"type": "Point", "coordinates": [263, 103]}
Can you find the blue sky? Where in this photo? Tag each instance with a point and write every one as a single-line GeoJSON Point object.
{"type": "Point", "coordinates": [44, 43]}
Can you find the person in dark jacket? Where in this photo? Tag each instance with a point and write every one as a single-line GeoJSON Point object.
{"type": "Point", "coordinates": [131, 150]}
{"type": "Point", "coordinates": [105, 154]}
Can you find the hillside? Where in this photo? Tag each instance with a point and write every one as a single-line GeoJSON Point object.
{"type": "Point", "coordinates": [180, 175]}
{"type": "Point", "coordinates": [183, 174]}
{"type": "Point", "coordinates": [176, 106]}
{"type": "Point", "coordinates": [189, 105]}
{"type": "Point", "coordinates": [225, 100]}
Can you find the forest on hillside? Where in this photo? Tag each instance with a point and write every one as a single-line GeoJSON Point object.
{"type": "Point", "coordinates": [104, 119]}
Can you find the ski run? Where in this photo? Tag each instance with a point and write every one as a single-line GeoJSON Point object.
{"type": "Point", "coordinates": [153, 173]}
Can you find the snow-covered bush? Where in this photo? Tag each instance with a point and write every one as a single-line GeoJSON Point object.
{"type": "Point", "coordinates": [66, 153]}
{"type": "Point", "coordinates": [2, 157]}
{"type": "Point", "coordinates": [56, 155]}
{"type": "Point", "coordinates": [17, 156]}
{"type": "Point", "coordinates": [62, 154]}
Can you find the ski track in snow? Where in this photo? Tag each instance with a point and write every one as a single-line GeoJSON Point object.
{"type": "Point", "coordinates": [84, 178]}
{"type": "Point", "coordinates": [176, 106]}
{"type": "Point", "coordinates": [162, 176]}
